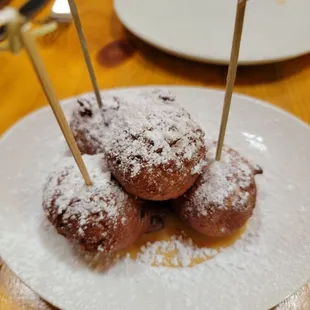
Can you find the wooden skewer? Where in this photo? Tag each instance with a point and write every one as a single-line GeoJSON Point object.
{"type": "Point", "coordinates": [28, 41]}
{"type": "Point", "coordinates": [90, 68]}
{"type": "Point", "coordinates": [13, 27]}
{"type": "Point", "coordinates": [232, 71]}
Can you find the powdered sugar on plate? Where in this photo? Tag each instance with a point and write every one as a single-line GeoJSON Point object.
{"type": "Point", "coordinates": [178, 251]}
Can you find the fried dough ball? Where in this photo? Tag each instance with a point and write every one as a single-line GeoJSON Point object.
{"type": "Point", "coordinates": [89, 123]}
{"type": "Point", "coordinates": [223, 198]}
{"type": "Point", "coordinates": [153, 147]}
{"type": "Point", "coordinates": [101, 217]}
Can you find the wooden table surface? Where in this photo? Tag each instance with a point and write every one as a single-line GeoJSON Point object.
{"type": "Point", "coordinates": [122, 60]}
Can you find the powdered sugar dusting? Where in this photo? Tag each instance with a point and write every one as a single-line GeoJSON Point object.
{"type": "Point", "coordinates": [151, 129]}
{"type": "Point", "coordinates": [88, 122]}
{"type": "Point", "coordinates": [178, 251]}
{"type": "Point", "coordinates": [227, 178]}
{"type": "Point", "coordinates": [66, 193]}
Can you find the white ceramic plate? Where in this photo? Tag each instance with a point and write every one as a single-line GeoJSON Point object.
{"type": "Point", "coordinates": [202, 29]}
{"type": "Point", "coordinates": [270, 261]}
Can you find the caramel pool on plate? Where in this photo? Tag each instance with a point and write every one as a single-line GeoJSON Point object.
{"type": "Point", "coordinates": [178, 246]}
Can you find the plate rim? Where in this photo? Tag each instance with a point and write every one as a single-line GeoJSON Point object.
{"type": "Point", "coordinates": [64, 101]}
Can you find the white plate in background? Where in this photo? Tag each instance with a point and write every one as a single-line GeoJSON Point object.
{"type": "Point", "coordinates": [202, 29]}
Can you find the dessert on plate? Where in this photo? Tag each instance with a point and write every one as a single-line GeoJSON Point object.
{"type": "Point", "coordinates": [153, 147]}
{"type": "Point", "coordinates": [101, 217]}
{"type": "Point", "coordinates": [145, 152]}
{"type": "Point", "coordinates": [223, 198]}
